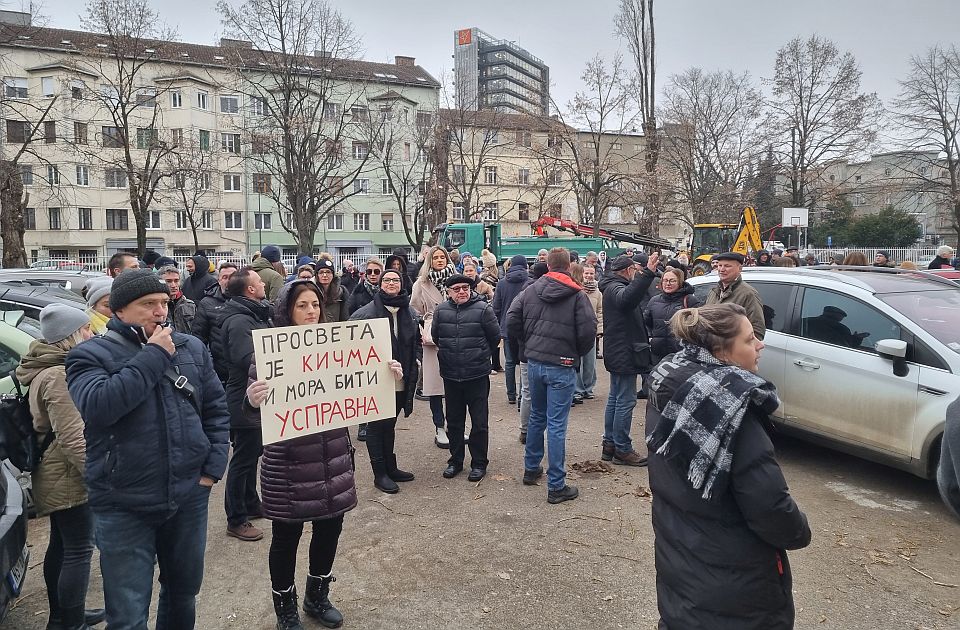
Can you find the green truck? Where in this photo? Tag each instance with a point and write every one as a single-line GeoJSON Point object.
{"type": "Point", "coordinates": [475, 237]}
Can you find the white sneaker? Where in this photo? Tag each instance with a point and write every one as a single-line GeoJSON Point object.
{"type": "Point", "coordinates": [441, 439]}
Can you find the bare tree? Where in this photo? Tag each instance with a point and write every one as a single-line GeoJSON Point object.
{"type": "Point", "coordinates": [130, 147]}
{"type": "Point", "coordinates": [928, 111]}
{"type": "Point", "coordinates": [712, 136]}
{"type": "Point", "coordinates": [817, 115]}
{"type": "Point", "coordinates": [310, 126]}
{"type": "Point", "coordinates": [191, 169]}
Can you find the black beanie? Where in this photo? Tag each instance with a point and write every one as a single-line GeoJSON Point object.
{"type": "Point", "coordinates": [132, 285]}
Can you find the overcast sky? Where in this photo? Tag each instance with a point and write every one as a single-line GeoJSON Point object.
{"type": "Point", "coordinates": [733, 34]}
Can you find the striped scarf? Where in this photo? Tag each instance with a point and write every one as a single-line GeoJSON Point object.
{"type": "Point", "coordinates": [438, 277]}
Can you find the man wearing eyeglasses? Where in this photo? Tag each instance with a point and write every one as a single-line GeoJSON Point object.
{"type": "Point", "coordinates": [368, 286]}
{"type": "Point", "coordinates": [466, 332]}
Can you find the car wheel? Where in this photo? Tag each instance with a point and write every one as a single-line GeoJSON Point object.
{"type": "Point", "coordinates": [701, 268]}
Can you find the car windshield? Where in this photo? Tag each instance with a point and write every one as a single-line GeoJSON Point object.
{"type": "Point", "coordinates": [937, 312]}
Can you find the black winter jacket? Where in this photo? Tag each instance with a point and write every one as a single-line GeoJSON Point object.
{"type": "Point", "coordinates": [656, 317]}
{"type": "Point", "coordinates": [466, 335]}
{"type": "Point", "coordinates": [721, 564]}
{"type": "Point", "coordinates": [626, 344]}
{"type": "Point", "coordinates": [146, 444]}
{"type": "Point", "coordinates": [553, 321]}
{"type": "Point", "coordinates": [516, 280]}
{"type": "Point", "coordinates": [195, 286]}
{"type": "Point", "coordinates": [359, 298]}
{"type": "Point", "coordinates": [206, 327]}
{"type": "Point", "coordinates": [241, 315]}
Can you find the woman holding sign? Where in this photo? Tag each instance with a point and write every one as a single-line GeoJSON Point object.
{"type": "Point", "coordinates": [393, 303]}
{"type": "Point", "coordinates": [306, 479]}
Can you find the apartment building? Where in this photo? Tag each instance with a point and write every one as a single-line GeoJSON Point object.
{"type": "Point", "coordinates": [190, 98]}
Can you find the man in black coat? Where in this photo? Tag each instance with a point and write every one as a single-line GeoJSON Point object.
{"type": "Point", "coordinates": [245, 311]}
{"type": "Point", "coordinates": [626, 352]}
{"type": "Point", "coordinates": [555, 325]}
{"type": "Point", "coordinates": [466, 332]}
{"type": "Point", "coordinates": [206, 325]}
{"type": "Point", "coordinates": [195, 286]}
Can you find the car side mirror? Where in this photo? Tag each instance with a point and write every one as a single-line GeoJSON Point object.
{"type": "Point", "coordinates": [896, 351]}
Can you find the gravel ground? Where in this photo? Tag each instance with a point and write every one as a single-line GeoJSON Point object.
{"type": "Point", "coordinates": [453, 554]}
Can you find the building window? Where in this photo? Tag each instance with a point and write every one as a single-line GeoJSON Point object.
{"type": "Point", "coordinates": [335, 221]}
{"type": "Point", "coordinates": [361, 222]}
{"type": "Point", "coordinates": [523, 176]}
{"type": "Point", "coordinates": [361, 186]}
{"type": "Point", "coordinates": [332, 112]}
{"type": "Point", "coordinates": [117, 219]}
{"type": "Point", "coordinates": [206, 220]}
{"type": "Point", "coordinates": [206, 181]}
{"type": "Point", "coordinates": [386, 188]}
{"type": "Point", "coordinates": [858, 179]}
{"type": "Point", "coordinates": [523, 212]}
{"type": "Point", "coordinates": [555, 178]}
{"type": "Point", "coordinates": [176, 99]}
{"type": "Point", "coordinates": [555, 210]}
{"type": "Point", "coordinates": [204, 140]}
{"type": "Point", "coordinates": [76, 90]}
{"type": "Point", "coordinates": [424, 119]}
{"type": "Point", "coordinates": [459, 211]}
{"type": "Point", "coordinates": [459, 173]}
{"type": "Point", "coordinates": [201, 99]}
{"type": "Point", "coordinates": [492, 136]}
{"type": "Point", "coordinates": [26, 174]}
{"type": "Point", "coordinates": [616, 146]}
{"type": "Point", "coordinates": [230, 142]}
{"type": "Point", "coordinates": [614, 214]}
{"type": "Point", "coordinates": [406, 151]}
{"type": "Point", "coordinates": [50, 132]}
{"type": "Point", "coordinates": [334, 186]}
{"type": "Point", "coordinates": [422, 188]}
{"type": "Point", "coordinates": [146, 137]}
{"type": "Point", "coordinates": [258, 105]}
{"type": "Point", "coordinates": [18, 132]}
{"type": "Point", "coordinates": [359, 113]}
{"type": "Point", "coordinates": [53, 215]}
{"type": "Point", "coordinates": [29, 218]}
{"type": "Point", "coordinates": [231, 182]}
{"type": "Point", "coordinates": [88, 256]}
{"type": "Point", "coordinates": [386, 222]}
{"type": "Point", "coordinates": [110, 95]}
{"type": "Point", "coordinates": [115, 178]}
{"type": "Point", "coordinates": [182, 222]}
{"type": "Point", "coordinates": [232, 220]}
{"type": "Point", "coordinates": [491, 211]}
{"type": "Point", "coordinates": [153, 219]}
{"type": "Point", "coordinates": [53, 174]}
{"type": "Point", "coordinates": [489, 174]}
{"type": "Point", "coordinates": [111, 137]}
{"type": "Point", "coordinates": [859, 199]}
{"type": "Point", "coordinates": [230, 104]}
{"type": "Point", "coordinates": [85, 218]}
{"type": "Point", "coordinates": [262, 182]}
{"type": "Point", "coordinates": [262, 221]}
{"type": "Point", "coordinates": [15, 87]}
{"type": "Point", "coordinates": [80, 135]}
{"type": "Point", "coordinates": [887, 172]}
{"type": "Point", "coordinates": [360, 150]}
{"type": "Point", "coordinates": [83, 175]}
{"type": "Point", "coordinates": [176, 137]}
{"type": "Point", "coordinates": [147, 98]}
{"type": "Point", "coordinates": [524, 139]}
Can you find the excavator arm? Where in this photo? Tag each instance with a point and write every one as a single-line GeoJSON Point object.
{"type": "Point", "coordinates": [748, 241]}
{"type": "Point", "coordinates": [582, 229]}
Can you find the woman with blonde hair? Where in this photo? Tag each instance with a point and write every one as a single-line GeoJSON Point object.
{"type": "Point", "coordinates": [722, 515]}
{"type": "Point", "coordinates": [428, 292]}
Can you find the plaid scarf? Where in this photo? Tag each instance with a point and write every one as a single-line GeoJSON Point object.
{"type": "Point", "coordinates": [699, 423]}
{"type": "Point", "coordinates": [438, 277]}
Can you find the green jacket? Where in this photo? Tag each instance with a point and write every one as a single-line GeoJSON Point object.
{"type": "Point", "coordinates": [58, 481]}
{"type": "Point", "coordinates": [739, 292]}
{"type": "Point", "coordinates": [270, 277]}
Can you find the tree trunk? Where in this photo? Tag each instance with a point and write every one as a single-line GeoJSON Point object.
{"type": "Point", "coordinates": [12, 203]}
{"type": "Point", "coordinates": [196, 241]}
{"type": "Point", "coordinates": [305, 235]}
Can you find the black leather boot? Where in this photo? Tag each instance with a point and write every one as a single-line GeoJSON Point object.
{"type": "Point", "coordinates": [381, 479]}
{"type": "Point", "coordinates": [91, 616]}
{"type": "Point", "coordinates": [73, 618]}
{"type": "Point", "coordinates": [316, 602]}
{"type": "Point", "coordinates": [285, 605]}
{"type": "Point", "coordinates": [395, 473]}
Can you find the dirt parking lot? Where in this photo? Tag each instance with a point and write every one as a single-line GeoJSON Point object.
{"type": "Point", "coordinates": [453, 554]}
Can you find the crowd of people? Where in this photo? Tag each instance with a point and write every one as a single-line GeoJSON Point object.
{"type": "Point", "coordinates": [147, 391]}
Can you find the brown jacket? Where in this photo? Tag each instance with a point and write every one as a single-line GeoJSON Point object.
{"type": "Point", "coordinates": [739, 292]}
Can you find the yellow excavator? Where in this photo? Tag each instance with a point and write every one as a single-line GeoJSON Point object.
{"type": "Point", "coordinates": [716, 238]}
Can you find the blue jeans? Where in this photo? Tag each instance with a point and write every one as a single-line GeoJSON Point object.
{"type": "Point", "coordinates": [436, 410]}
{"type": "Point", "coordinates": [551, 392]}
{"type": "Point", "coordinates": [587, 375]}
{"type": "Point", "coordinates": [510, 367]}
{"type": "Point", "coordinates": [524, 402]}
{"type": "Point", "coordinates": [130, 542]}
{"type": "Point", "coordinates": [618, 415]}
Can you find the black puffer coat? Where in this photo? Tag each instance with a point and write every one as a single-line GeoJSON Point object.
{"type": "Point", "coordinates": [241, 316]}
{"type": "Point", "coordinates": [553, 321]}
{"type": "Point", "coordinates": [721, 564]}
{"type": "Point", "coordinates": [626, 344]}
{"type": "Point", "coordinates": [206, 327]}
{"type": "Point", "coordinates": [516, 280]}
{"type": "Point", "coordinates": [466, 335]}
{"type": "Point", "coordinates": [656, 317]}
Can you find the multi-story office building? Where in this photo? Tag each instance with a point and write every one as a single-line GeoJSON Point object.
{"type": "Point", "coordinates": [190, 96]}
{"type": "Point", "coordinates": [497, 74]}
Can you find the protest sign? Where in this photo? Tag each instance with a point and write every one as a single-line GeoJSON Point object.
{"type": "Point", "coordinates": [324, 376]}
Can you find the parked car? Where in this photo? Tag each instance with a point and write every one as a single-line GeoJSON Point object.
{"type": "Point", "coordinates": [66, 279]}
{"type": "Point", "coordinates": [54, 263]}
{"type": "Point", "coordinates": [31, 299]}
{"type": "Point", "coordinates": [865, 360]}
{"type": "Point", "coordinates": [14, 553]}
{"type": "Point", "coordinates": [951, 274]}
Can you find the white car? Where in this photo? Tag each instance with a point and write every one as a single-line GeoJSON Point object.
{"type": "Point", "coordinates": [866, 360]}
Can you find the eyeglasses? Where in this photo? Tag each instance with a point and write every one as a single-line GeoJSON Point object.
{"type": "Point", "coordinates": [460, 288]}
{"type": "Point", "coordinates": [391, 281]}
{"type": "Point", "coordinates": [373, 272]}
{"type": "Point", "coordinates": [668, 281]}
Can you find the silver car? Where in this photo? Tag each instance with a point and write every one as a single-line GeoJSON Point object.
{"type": "Point", "coordinates": [865, 360]}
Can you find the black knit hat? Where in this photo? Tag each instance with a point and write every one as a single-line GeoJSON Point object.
{"type": "Point", "coordinates": [132, 285]}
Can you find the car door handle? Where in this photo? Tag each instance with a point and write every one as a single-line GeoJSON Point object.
{"type": "Point", "coordinates": [807, 364]}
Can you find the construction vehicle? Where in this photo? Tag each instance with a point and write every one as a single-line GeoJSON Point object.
{"type": "Point", "coordinates": [717, 238]}
{"type": "Point", "coordinates": [474, 237]}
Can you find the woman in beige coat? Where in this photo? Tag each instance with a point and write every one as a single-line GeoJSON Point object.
{"type": "Point", "coordinates": [58, 488]}
{"type": "Point", "coordinates": [428, 292]}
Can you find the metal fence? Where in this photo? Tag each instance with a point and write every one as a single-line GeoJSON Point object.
{"type": "Point", "coordinates": [897, 254]}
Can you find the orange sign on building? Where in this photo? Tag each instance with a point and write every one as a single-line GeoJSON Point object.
{"type": "Point", "coordinates": [464, 36]}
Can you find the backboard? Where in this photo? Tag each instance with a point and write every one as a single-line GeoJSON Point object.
{"type": "Point", "coordinates": [795, 217]}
